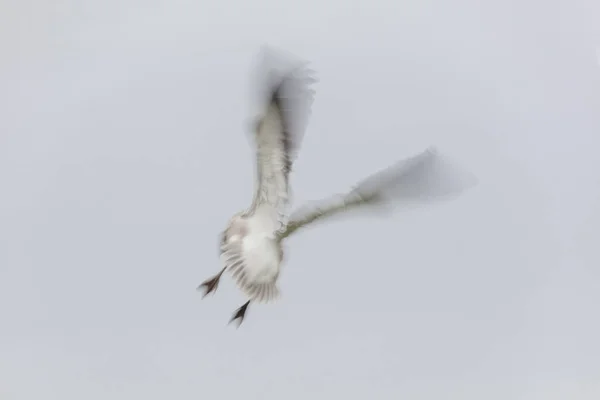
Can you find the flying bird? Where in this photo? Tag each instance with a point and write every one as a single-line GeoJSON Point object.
{"type": "Point", "coordinates": [251, 246]}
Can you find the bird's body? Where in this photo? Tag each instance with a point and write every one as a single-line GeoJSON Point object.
{"type": "Point", "coordinates": [251, 244]}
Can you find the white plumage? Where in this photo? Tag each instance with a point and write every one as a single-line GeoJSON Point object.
{"type": "Point", "coordinates": [251, 244]}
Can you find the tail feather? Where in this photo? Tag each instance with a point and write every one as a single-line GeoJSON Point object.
{"type": "Point", "coordinates": [259, 292]}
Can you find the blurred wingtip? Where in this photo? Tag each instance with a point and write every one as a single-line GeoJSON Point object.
{"type": "Point", "coordinates": [466, 176]}
{"type": "Point", "coordinates": [427, 176]}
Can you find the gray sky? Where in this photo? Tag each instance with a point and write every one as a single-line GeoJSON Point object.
{"type": "Point", "coordinates": [115, 117]}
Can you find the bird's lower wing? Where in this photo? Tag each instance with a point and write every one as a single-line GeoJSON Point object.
{"type": "Point", "coordinates": [421, 178]}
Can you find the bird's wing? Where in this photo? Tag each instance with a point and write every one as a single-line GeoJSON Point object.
{"type": "Point", "coordinates": [421, 178]}
{"type": "Point", "coordinates": [277, 136]}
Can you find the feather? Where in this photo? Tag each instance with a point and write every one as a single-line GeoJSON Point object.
{"type": "Point", "coordinates": [253, 262]}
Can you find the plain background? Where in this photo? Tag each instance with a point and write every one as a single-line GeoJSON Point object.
{"type": "Point", "coordinates": [123, 153]}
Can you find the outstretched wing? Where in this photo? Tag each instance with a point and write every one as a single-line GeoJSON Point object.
{"type": "Point", "coordinates": [277, 136]}
{"type": "Point", "coordinates": [424, 177]}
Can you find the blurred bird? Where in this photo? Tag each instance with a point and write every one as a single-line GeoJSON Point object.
{"type": "Point", "coordinates": [251, 246]}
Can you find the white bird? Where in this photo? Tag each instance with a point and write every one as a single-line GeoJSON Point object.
{"type": "Point", "coordinates": [251, 246]}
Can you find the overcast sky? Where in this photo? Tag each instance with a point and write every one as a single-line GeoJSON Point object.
{"type": "Point", "coordinates": [123, 154]}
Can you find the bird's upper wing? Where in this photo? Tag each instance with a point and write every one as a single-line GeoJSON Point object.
{"type": "Point", "coordinates": [424, 177]}
{"type": "Point", "coordinates": [277, 136]}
